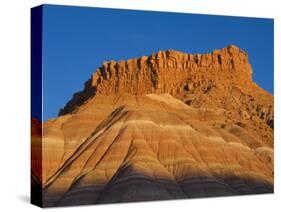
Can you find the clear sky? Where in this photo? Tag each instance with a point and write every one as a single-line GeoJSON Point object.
{"type": "Point", "coordinates": [76, 40]}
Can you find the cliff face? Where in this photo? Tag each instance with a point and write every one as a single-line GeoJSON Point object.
{"type": "Point", "coordinates": [170, 72]}
{"type": "Point", "coordinates": [168, 126]}
{"type": "Point", "coordinates": [173, 72]}
{"type": "Point", "coordinates": [219, 80]}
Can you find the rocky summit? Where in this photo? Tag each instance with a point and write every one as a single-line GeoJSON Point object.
{"type": "Point", "coordinates": [166, 126]}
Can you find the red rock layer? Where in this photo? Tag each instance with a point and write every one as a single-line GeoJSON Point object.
{"type": "Point", "coordinates": [219, 80]}
{"type": "Point", "coordinates": [170, 72]}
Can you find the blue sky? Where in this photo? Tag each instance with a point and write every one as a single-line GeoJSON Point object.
{"type": "Point", "coordinates": [76, 40]}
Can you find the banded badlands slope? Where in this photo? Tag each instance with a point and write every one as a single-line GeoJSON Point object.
{"type": "Point", "coordinates": [168, 126]}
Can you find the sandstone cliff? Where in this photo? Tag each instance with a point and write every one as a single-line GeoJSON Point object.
{"type": "Point", "coordinates": [219, 80]}
{"type": "Point", "coordinates": [172, 72]}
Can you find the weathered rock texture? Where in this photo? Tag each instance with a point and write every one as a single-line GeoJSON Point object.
{"type": "Point", "coordinates": [171, 125]}
{"type": "Point", "coordinates": [219, 80]}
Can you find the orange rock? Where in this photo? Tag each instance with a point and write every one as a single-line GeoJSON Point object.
{"type": "Point", "coordinates": [168, 126]}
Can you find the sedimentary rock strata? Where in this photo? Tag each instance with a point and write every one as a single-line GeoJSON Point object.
{"type": "Point", "coordinates": [167, 126]}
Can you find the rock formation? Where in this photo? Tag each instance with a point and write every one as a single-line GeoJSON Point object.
{"type": "Point", "coordinates": [168, 126]}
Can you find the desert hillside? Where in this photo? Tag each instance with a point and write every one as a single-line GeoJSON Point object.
{"type": "Point", "coordinates": [166, 126]}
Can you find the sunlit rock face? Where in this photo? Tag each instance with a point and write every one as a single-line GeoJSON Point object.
{"type": "Point", "coordinates": [167, 126]}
